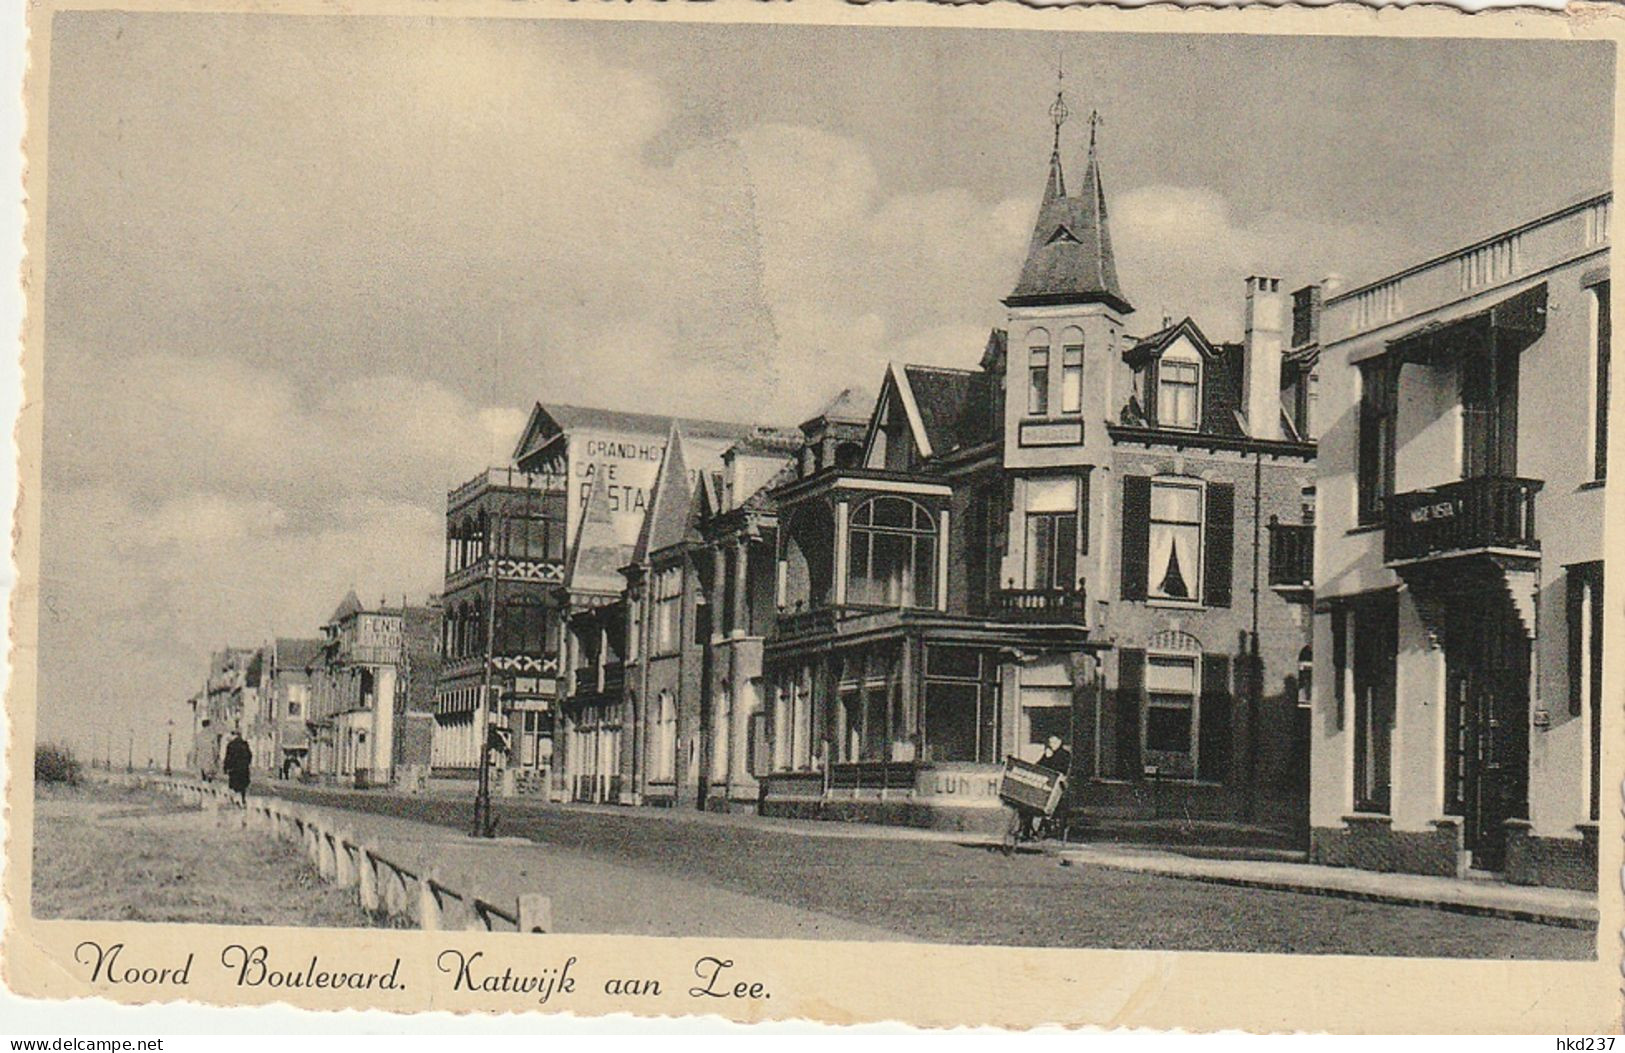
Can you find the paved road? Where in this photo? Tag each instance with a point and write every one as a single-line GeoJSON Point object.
{"type": "Point", "coordinates": [943, 891]}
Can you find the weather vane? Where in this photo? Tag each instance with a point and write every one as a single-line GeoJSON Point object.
{"type": "Point", "coordinates": [1058, 111]}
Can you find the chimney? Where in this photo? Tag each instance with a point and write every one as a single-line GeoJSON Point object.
{"type": "Point", "coordinates": [1261, 381]}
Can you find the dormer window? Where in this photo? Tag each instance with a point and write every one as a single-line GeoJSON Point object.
{"type": "Point", "coordinates": [1179, 385]}
{"type": "Point", "coordinates": [1038, 381]}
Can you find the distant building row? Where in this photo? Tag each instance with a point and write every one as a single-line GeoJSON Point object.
{"type": "Point", "coordinates": [354, 705]}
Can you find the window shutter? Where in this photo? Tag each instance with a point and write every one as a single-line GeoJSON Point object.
{"type": "Point", "coordinates": [1083, 513]}
{"type": "Point", "coordinates": [1136, 554]}
{"type": "Point", "coordinates": [1130, 697]}
{"type": "Point", "coordinates": [1151, 392]}
{"type": "Point", "coordinates": [1340, 660]}
{"type": "Point", "coordinates": [1213, 744]}
{"type": "Point", "coordinates": [1218, 538]}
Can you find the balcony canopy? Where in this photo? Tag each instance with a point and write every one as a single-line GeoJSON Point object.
{"type": "Point", "coordinates": [1519, 319]}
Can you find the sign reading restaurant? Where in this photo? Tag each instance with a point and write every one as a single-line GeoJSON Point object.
{"type": "Point", "coordinates": [626, 466]}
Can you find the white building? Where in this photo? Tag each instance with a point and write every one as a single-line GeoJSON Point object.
{"type": "Point", "coordinates": [1458, 564]}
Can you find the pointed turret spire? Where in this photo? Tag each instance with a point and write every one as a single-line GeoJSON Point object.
{"type": "Point", "coordinates": [1069, 260]}
{"type": "Point", "coordinates": [1056, 187]}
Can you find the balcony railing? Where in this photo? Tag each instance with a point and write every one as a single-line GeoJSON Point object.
{"type": "Point", "coordinates": [1292, 555]}
{"type": "Point", "coordinates": [1039, 606]}
{"type": "Point", "coordinates": [1491, 512]}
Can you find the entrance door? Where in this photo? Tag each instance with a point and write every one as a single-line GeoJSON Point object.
{"type": "Point", "coordinates": [1487, 721]}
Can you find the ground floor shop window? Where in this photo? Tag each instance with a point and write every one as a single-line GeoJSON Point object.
{"type": "Point", "coordinates": [961, 705]}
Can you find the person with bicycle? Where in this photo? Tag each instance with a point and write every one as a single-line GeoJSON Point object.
{"type": "Point", "coordinates": [1057, 758]}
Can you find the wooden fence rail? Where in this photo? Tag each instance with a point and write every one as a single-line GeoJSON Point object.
{"type": "Point", "coordinates": [382, 885]}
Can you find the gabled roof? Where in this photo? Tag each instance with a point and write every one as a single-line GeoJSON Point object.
{"type": "Point", "coordinates": [296, 652]}
{"type": "Point", "coordinates": [598, 555]}
{"type": "Point", "coordinates": [671, 508]}
{"type": "Point", "coordinates": [1159, 341]}
{"type": "Point", "coordinates": [348, 607]}
{"type": "Point", "coordinates": [553, 419]}
{"type": "Point", "coordinates": [849, 407]}
{"type": "Point", "coordinates": [947, 409]}
{"type": "Point", "coordinates": [954, 405]}
{"type": "Point", "coordinates": [1069, 260]}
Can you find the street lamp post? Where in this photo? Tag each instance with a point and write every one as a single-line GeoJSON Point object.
{"type": "Point", "coordinates": [169, 742]}
{"type": "Point", "coordinates": [129, 758]}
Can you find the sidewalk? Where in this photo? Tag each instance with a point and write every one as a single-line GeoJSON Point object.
{"type": "Point", "coordinates": [1547, 906]}
{"type": "Point", "coordinates": [588, 896]}
{"type": "Point", "coordinates": [799, 827]}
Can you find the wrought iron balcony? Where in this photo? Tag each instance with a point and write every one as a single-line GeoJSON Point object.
{"type": "Point", "coordinates": [1039, 606]}
{"type": "Point", "coordinates": [1471, 515]}
{"type": "Point", "coordinates": [1292, 555]}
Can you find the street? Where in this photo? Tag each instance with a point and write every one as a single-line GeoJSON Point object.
{"type": "Point", "coordinates": [944, 891]}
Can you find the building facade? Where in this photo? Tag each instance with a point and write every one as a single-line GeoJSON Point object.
{"type": "Point", "coordinates": [285, 702]}
{"type": "Point", "coordinates": [505, 548]}
{"type": "Point", "coordinates": [1073, 539]}
{"type": "Point", "coordinates": [374, 669]}
{"type": "Point", "coordinates": [1459, 578]}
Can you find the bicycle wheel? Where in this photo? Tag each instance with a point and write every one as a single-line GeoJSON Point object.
{"type": "Point", "coordinates": [1012, 832]}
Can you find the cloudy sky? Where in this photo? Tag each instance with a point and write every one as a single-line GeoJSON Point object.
{"type": "Point", "coordinates": [303, 275]}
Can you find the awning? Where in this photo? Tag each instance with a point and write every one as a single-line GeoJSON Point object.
{"type": "Point", "coordinates": [1520, 319]}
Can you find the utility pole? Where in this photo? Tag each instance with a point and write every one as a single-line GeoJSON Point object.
{"type": "Point", "coordinates": [129, 758]}
{"type": "Point", "coordinates": [169, 743]}
{"type": "Point", "coordinates": [483, 824]}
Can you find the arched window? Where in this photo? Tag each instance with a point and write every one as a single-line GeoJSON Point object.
{"type": "Point", "coordinates": [892, 545]}
{"type": "Point", "coordinates": [465, 542]}
{"type": "Point", "coordinates": [665, 738]}
{"type": "Point", "coordinates": [1072, 370]}
{"type": "Point", "coordinates": [1038, 372]}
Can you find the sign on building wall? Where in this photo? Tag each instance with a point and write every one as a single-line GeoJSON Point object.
{"type": "Point", "coordinates": [630, 464]}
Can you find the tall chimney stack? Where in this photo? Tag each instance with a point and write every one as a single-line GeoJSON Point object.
{"type": "Point", "coordinates": [1263, 337]}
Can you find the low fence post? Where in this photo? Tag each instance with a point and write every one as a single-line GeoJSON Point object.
{"type": "Point", "coordinates": [367, 878]}
{"type": "Point", "coordinates": [343, 868]}
{"type": "Point", "coordinates": [428, 903]}
{"type": "Point", "coordinates": [535, 913]}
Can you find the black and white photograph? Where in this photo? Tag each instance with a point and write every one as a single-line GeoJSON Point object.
{"type": "Point", "coordinates": [894, 486]}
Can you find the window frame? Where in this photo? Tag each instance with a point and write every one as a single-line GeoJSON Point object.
{"type": "Point", "coordinates": [1038, 366]}
{"type": "Point", "coordinates": [1374, 453]}
{"type": "Point", "coordinates": [862, 536]}
{"type": "Point", "coordinates": [1072, 379]}
{"type": "Point", "coordinates": [1192, 362]}
{"type": "Point", "coordinates": [1166, 659]}
{"type": "Point", "coordinates": [1600, 327]}
{"type": "Point", "coordinates": [1194, 586]}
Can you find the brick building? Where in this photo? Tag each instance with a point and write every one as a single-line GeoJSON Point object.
{"type": "Point", "coordinates": [1073, 539]}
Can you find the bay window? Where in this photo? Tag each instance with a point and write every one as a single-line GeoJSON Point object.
{"type": "Point", "coordinates": [1052, 533]}
{"type": "Point", "coordinates": [892, 545]}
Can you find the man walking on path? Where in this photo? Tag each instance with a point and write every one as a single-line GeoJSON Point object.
{"type": "Point", "coordinates": [238, 759]}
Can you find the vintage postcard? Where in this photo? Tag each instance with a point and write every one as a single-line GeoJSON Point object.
{"type": "Point", "coordinates": [964, 516]}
